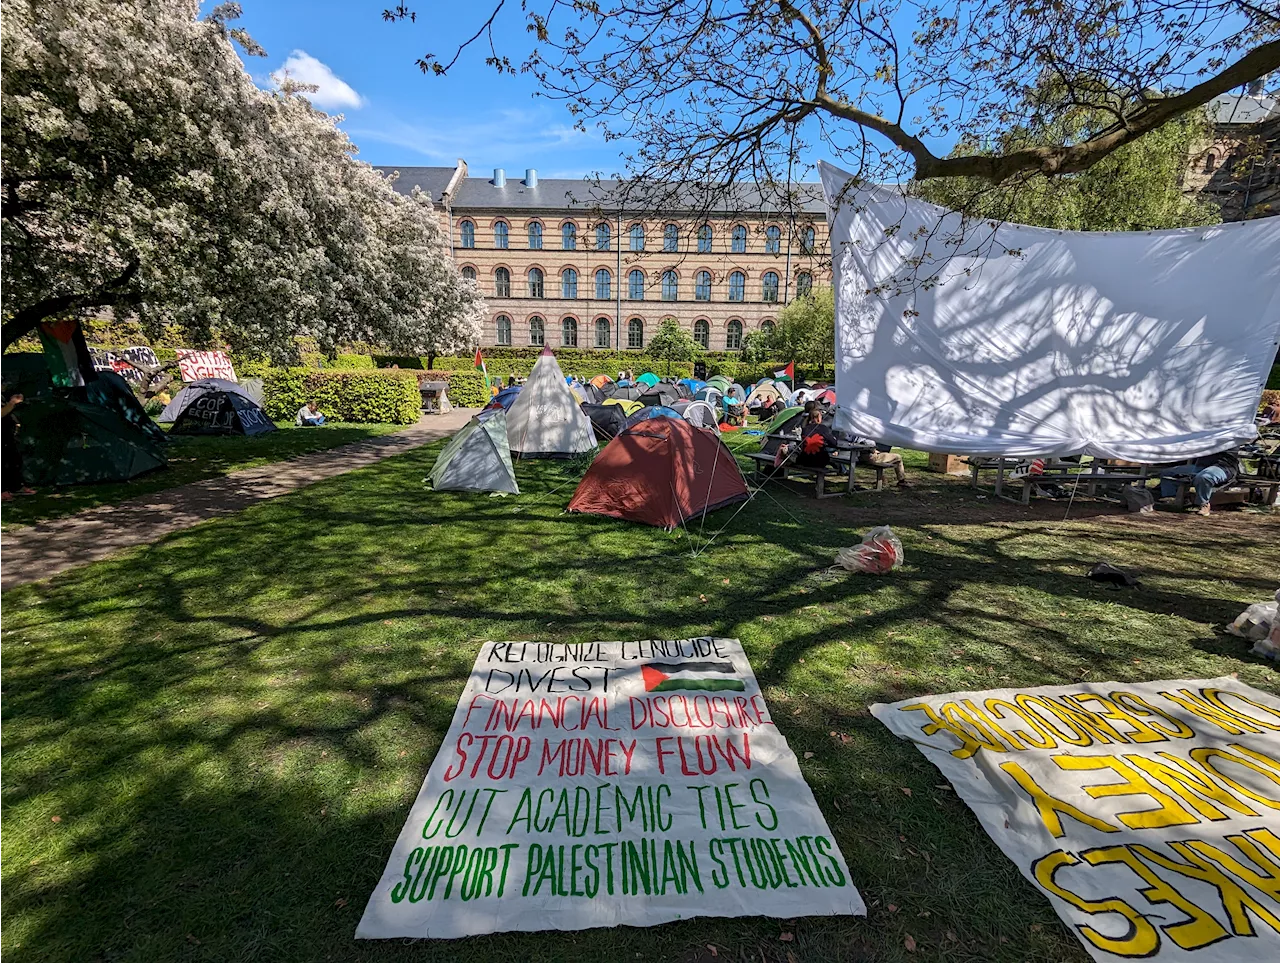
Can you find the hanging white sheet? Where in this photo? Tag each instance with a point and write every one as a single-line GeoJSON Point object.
{"type": "Point", "coordinates": [1004, 339]}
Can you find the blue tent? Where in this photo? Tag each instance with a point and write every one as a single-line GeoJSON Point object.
{"type": "Point", "coordinates": [653, 411]}
{"type": "Point", "coordinates": [504, 397]}
{"type": "Point", "coordinates": [693, 384]}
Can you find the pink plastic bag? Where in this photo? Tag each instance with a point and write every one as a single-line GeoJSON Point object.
{"type": "Point", "coordinates": [880, 553]}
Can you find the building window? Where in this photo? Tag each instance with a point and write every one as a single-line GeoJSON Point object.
{"type": "Point", "coordinates": [569, 237]}
{"type": "Point", "coordinates": [604, 287]}
{"type": "Point", "coordinates": [635, 286]}
{"type": "Point", "coordinates": [804, 284]}
{"type": "Point", "coordinates": [502, 283]}
{"type": "Point", "coordinates": [536, 278]}
{"type": "Point", "coordinates": [569, 332]}
{"type": "Point", "coordinates": [602, 332]}
{"type": "Point", "coordinates": [766, 327]}
{"type": "Point", "coordinates": [702, 333]}
{"type": "Point", "coordinates": [535, 236]}
{"type": "Point", "coordinates": [809, 241]}
{"type": "Point", "coordinates": [635, 333]}
{"type": "Point", "coordinates": [733, 336]}
{"type": "Point", "coordinates": [773, 241]}
{"type": "Point", "coordinates": [504, 329]}
{"type": "Point", "coordinates": [469, 273]}
{"type": "Point", "coordinates": [500, 236]}
{"type": "Point", "coordinates": [537, 333]}
{"type": "Point", "coordinates": [468, 234]}
{"type": "Point", "coordinates": [670, 238]}
{"type": "Point", "coordinates": [603, 237]}
{"type": "Point", "coordinates": [704, 239]}
{"type": "Point", "coordinates": [670, 286]}
{"type": "Point", "coordinates": [1210, 162]}
{"type": "Point", "coordinates": [769, 287]}
{"type": "Point", "coordinates": [702, 286]}
{"type": "Point", "coordinates": [568, 283]}
{"type": "Point", "coordinates": [739, 243]}
{"type": "Point", "coordinates": [637, 237]}
{"type": "Point", "coordinates": [737, 286]}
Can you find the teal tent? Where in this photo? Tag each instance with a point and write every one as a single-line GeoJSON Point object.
{"type": "Point", "coordinates": [67, 442]}
{"type": "Point", "coordinates": [477, 459]}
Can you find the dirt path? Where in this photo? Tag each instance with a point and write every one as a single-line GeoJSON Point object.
{"type": "Point", "coordinates": [36, 552]}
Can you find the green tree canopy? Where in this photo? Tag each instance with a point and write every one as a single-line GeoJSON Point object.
{"type": "Point", "coordinates": [805, 333]}
{"type": "Point", "coordinates": [673, 343]}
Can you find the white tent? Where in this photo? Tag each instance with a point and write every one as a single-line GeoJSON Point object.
{"type": "Point", "coordinates": [1148, 346]}
{"type": "Point", "coordinates": [545, 421]}
{"type": "Point", "coordinates": [477, 458]}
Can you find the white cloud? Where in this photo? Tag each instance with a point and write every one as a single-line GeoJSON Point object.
{"type": "Point", "coordinates": [509, 134]}
{"type": "Point", "coordinates": [331, 93]}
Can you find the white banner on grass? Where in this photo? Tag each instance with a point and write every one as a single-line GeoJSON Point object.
{"type": "Point", "coordinates": [609, 783]}
{"type": "Point", "coordinates": [1147, 813]}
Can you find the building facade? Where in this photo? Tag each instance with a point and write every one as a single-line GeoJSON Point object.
{"type": "Point", "coordinates": [1239, 168]}
{"type": "Point", "coordinates": [562, 263]}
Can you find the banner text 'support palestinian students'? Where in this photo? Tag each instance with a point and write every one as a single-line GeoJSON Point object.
{"type": "Point", "coordinates": [10, 456]}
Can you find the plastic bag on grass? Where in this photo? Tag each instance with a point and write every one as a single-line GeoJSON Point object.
{"type": "Point", "coordinates": [1255, 622]}
{"type": "Point", "coordinates": [879, 553]}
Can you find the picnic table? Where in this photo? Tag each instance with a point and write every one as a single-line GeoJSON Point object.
{"type": "Point", "coordinates": [839, 473]}
{"type": "Point", "coordinates": [1102, 473]}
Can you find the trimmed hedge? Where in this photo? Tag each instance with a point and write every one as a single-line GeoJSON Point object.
{"type": "Point", "coordinates": [369, 397]}
{"type": "Point", "coordinates": [350, 362]}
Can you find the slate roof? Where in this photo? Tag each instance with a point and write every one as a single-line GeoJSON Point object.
{"type": "Point", "coordinates": [554, 194]}
{"type": "Point", "coordinates": [1244, 108]}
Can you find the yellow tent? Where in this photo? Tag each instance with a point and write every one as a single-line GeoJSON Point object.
{"type": "Point", "coordinates": [628, 407]}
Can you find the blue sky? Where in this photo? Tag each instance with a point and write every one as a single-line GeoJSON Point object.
{"type": "Point", "coordinates": [398, 115]}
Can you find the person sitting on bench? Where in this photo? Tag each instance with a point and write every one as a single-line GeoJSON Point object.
{"type": "Point", "coordinates": [1207, 473]}
{"type": "Point", "coordinates": [816, 442]}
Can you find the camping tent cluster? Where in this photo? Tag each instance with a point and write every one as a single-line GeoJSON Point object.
{"type": "Point", "coordinates": [663, 461]}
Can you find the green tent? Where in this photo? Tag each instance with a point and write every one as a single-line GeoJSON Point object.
{"type": "Point", "coordinates": [648, 378]}
{"type": "Point", "coordinates": [779, 421]}
{"type": "Point", "coordinates": [477, 458]}
{"type": "Point", "coordinates": [721, 383]}
{"type": "Point", "coordinates": [68, 442]}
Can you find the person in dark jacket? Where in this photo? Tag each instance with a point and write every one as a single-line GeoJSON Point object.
{"type": "Point", "coordinates": [817, 442]}
{"type": "Point", "coordinates": [12, 470]}
{"type": "Point", "coordinates": [1207, 473]}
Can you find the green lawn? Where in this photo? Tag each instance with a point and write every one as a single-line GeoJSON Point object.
{"type": "Point", "coordinates": [191, 458]}
{"type": "Point", "coordinates": [212, 743]}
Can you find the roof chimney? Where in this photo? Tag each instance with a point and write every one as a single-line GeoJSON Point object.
{"type": "Point", "coordinates": [530, 178]}
{"type": "Point", "coordinates": [499, 177]}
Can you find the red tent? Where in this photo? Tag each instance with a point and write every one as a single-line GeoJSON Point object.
{"type": "Point", "coordinates": [660, 472]}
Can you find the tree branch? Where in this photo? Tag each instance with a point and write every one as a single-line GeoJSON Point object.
{"type": "Point", "coordinates": [107, 293]}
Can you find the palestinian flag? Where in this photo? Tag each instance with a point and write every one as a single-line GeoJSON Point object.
{"type": "Point", "coordinates": [479, 365]}
{"type": "Point", "coordinates": [789, 373]}
{"type": "Point", "coordinates": [700, 676]}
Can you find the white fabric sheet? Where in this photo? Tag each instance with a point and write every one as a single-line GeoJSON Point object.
{"type": "Point", "coordinates": [1149, 346]}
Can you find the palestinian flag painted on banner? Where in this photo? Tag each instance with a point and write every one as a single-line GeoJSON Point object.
{"type": "Point", "coordinates": [703, 676]}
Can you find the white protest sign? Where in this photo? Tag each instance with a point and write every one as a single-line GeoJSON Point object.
{"type": "Point", "coordinates": [1149, 813]}
{"type": "Point", "coordinates": [605, 783]}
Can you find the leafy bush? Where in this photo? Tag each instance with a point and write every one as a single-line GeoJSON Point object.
{"type": "Point", "coordinates": [351, 362]}
{"type": "Point", "coordinates": [370, 397]}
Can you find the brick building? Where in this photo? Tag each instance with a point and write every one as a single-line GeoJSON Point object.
{"type": "Point", "coordinates": [573, 263]}
{"type": "Point", "coordinates": [1239, 169]}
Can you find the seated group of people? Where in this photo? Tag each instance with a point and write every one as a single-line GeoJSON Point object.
{"type": "Point", "coordinates": [818, 441]}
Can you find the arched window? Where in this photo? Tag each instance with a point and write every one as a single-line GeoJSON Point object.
{"type": "Point", "coordinates": [468, 230]}
{"type": "Point", "coordinates": [769, 287]}
{"type": "Point", "coordinates": [804, 284]}
{"type": "Point", "coordinates": [504, 329]}
{"type": "Point", "coordinates": [767, 327]}
{"type": "Point", "coordinates": [602, 332]}
{"type": "Point", "coordinates": [603, 237]}
{"type": "Point", "coordinates": [739, 244]}
{"type": "Point", "coordinates": [536, 286]}
{"type": "Point", "coordinates": [808, 240]}
{"type": "Point", "coordinates": [704, 239]}
{"type": "Point", "coordinates": [702, 333]}
{"type": "Point", "coordinates": [670, 286]}
{"type": "Point", "coordinates": [502, 283]}
{"type": "Point", "coordinates": [635, 333]}
{"type": "Point", "coordinates": [733, 336]}
{"type": "Point", "coordinates": [469, 273]}
{"type": "Point", "coordinates": [569, 237]}
{"type": "Point", "coordinates": [671, 238]}
{"type": "Point", "coordinates": [635, 286]}
{"type": "Point", "coordinates": [637, 237]}
{"type": "Point", "coordinates": [537, 331]}
{"type": "Point", "coordinates": [500, 236]}
{"type": "Point", "coordinates": [737, 286]}
{"type": "Point", "coordinates": [568, 283]}
{"type": "Point", "coordinates": [773, 240]}
{"type": "Point", "coordinates": [604, 285]}
{"type": "Point", "coordinates": [535, 236]}
{"type": "Point", "coordinates": [702, 286]}
{"type": "Point", "coordinates": [569, 332]}
{"type": "Point", "coordinates": [1210, 162]}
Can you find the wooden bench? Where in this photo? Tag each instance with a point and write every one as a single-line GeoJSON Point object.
{"type": "Point", "coordinates": [1099, 474]}
{"type": "Point", "coordinates": [840, 473]}
{"type": "Point", "coordinates": [1244, 485]}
